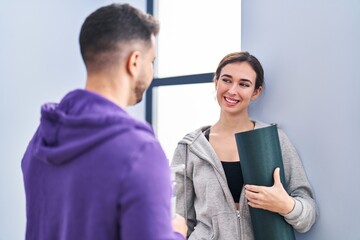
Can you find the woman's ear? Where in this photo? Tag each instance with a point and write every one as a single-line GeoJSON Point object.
{"type": "Point", "coordinates": [216, 83]}
{"type": "Point", "coordinates": [256, 93]}
{"type": "Point", "coordinates": [133, 63]}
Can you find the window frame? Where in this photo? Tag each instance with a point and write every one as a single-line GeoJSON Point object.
{"type": "Point", "coordinates": [171, 81]}
{"type": "Point", "coordinates": [168, 81]}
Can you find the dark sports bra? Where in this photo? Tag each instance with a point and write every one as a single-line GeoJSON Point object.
{"type": "Point", "coordinates": [233, 174]}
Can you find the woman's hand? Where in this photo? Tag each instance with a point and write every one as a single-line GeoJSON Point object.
{"type": "Point", "coordinates": [273, 198]}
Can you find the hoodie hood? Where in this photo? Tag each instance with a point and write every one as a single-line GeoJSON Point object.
{"type": "Point", "coordinates": [81, 121]}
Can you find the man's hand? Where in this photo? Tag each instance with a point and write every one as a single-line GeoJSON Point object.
{"type": "Point", "coordinates": [179, 225]}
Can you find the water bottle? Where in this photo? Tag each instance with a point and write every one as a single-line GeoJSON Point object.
{"type": "Point", "coordinates": [174, 170]}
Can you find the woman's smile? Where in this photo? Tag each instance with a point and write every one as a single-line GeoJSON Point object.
{"type": "Point", "coordinates": [231, 101]}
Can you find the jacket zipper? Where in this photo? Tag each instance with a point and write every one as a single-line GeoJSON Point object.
{"type": "Point", "coordinates": [223, 177]}
{"type": "Point", "coordinates": [238, 218]}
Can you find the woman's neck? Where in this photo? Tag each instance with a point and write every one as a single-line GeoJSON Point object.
{"type": "Point", "coordinates": [230, 124]}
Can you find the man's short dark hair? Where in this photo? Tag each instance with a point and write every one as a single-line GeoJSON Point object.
{"type": "Point", "coordinates": [104, 31]}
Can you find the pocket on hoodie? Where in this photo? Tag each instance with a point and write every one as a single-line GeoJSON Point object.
{"type": "Point", "coordinates": [225, 226]}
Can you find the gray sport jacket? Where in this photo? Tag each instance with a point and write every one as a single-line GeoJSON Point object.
{"type": "Point", "coordinates": [211, 211]}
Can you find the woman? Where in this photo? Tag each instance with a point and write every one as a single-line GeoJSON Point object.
{"type": "Point", "coordinates": [217, 203]}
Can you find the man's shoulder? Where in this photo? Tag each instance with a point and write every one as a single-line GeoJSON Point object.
{"type": "Point", "coordinates": [141, 131]}
{"type": "Point", "coordinates": [134, 133]}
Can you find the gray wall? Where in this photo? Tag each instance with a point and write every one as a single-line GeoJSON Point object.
{"type": "Point", "coordinates": [310, 51]}
{"type": "Point", "coordinates": [39, 61]}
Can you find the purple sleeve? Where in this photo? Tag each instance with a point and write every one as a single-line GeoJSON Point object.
{"type": "Point", "coordinates": [145, 211]}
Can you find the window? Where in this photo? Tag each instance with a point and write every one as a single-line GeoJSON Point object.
{"type": "Point", "coordinates": [194, 36]}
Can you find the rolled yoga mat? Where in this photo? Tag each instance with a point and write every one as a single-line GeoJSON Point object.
{"type": "Point", "coordinates": [260, 154]}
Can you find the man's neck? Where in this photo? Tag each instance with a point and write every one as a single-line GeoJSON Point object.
{"type": "Point", "coordinates": [112, 87]}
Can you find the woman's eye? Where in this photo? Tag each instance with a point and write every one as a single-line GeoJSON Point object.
{"type": "Point", "coordinates": [226, 80]}
{"type": "Point", "coordinates": [244, 85]}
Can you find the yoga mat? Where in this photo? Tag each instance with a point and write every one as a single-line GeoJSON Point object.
{"type": "Point", "coordinates": [260, 154]}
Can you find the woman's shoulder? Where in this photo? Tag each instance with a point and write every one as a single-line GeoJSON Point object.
{"type": "Point", "coordinates": [192, 136]}
{"type": "Point", "coordinates": [259, 124]}
{"type": "Point", "coordinates": [282, 134]}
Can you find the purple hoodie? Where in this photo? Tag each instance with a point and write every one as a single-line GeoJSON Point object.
{"type": "Point", "coordinates": [93, 172]}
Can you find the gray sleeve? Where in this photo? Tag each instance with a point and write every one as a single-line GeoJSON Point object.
{"type": "Point", "coordinates": [305, 212]}
{"type": "Point", "coordinates": [179, 158]}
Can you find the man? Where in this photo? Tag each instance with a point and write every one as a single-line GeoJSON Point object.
{"type": "Point", "coordinates": [91, 171]}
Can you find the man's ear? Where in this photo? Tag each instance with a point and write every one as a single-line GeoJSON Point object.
{"type": "Point", "coordinates": [133, 63]}
{"type": "Point", "coordinates": [256, 93]}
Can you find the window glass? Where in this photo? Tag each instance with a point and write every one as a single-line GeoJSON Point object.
{"type": "Point", "coordinates": [196, 34]}
{"type": "Point", "coordinates": [181, 109]}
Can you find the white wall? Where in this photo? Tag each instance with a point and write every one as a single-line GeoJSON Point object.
{"type": "Point", "coordinates": [310, 51]}
{"type": "Point", "coordinates": [39, 61]}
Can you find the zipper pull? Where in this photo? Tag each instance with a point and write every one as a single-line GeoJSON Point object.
{"type": "Point", "coordinates": [238, 214]}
